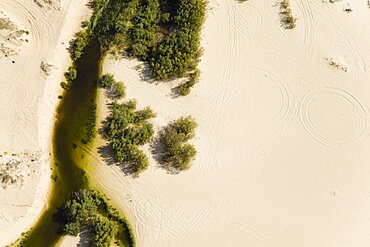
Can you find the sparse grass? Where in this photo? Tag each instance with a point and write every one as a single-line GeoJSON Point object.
{"type": "Point", "coordinates": [336, 64]}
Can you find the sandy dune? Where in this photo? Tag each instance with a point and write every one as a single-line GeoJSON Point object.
{"type": "Point", "coordinates": [28, 99]}
{"type": "Point", "coordinates": [283, 136]}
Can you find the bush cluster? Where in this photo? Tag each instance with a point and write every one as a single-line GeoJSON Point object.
{"type": "Point", "coordinates": [177, 153]}
{"type": "Point", "coordinates": [127, 129]}
{"type": "Point", "coordinates": [88, 209]}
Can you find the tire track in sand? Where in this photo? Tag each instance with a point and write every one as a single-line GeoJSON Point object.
{"type": "Point", "coordinates": [359, 130]}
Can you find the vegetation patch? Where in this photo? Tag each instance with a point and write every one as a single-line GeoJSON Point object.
{"type": "Point", "coordinates": [163, 33]}
{"type": "Point", "coordinates": [336, 64]}
{"type": "Point", "coordinates": [184, 88]}
{"type": "Point", "coordinates": [286, 16]}
{"type": "Point", "coordinates": [89, 210]}
{"type": "Point", "coordinates": [176, 154]}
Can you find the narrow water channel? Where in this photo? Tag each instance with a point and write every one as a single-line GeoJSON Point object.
{"type": "Point", "coordinates": [70, 159]}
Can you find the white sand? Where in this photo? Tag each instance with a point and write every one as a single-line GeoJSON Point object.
{"type": "Point", "coordinates": [27, 102]}
{"type": "Point", "coordinates": [283, 138]}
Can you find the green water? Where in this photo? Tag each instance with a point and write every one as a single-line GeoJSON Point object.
{"type": "Point", "coordinates": [69, 161]}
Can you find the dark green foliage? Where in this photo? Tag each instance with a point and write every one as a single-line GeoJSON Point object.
{"type": "Point", "coordinates": [106, 81]}
{"type": "Point", "coordinates": [178, 154]}
{"type": "Point", "coordinates": [88, 209]}
{"type": "Point", "coordinates": [128, 128]}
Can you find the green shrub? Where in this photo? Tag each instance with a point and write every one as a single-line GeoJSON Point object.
{"type": "Point", "coordinates": [119, 90]}
{"type": "Point", "coordinates": [178, 154]}
{"type": "Point", "coordinates": [106, 81]}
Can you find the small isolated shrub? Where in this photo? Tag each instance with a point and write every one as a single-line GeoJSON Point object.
{"type": "Point", "coordinates": [106, 81]}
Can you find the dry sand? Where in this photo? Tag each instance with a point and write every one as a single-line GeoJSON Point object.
{"type": "Point", "coordinates": [283, 138]}
{"type": "Point", "coordinates": [28, 98]}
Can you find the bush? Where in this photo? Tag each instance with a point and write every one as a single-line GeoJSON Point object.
{"type": "Point", "coordinates": [119, 90]}
{"type": "Point", "coordinates": [106, 81]}
{"type": "Point", "coordinates": [178, 154]}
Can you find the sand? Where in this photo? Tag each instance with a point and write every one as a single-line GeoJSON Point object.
{"type": "Point", "coordinates": [283, 134]}
{"type": "Point", "coordinates": [28, 98]}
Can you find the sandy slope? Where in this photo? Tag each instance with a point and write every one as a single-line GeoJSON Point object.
{"type": "Point", "coordinates": [27, 102]}
{"type": "Point", "coordinates": [283, 138]}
